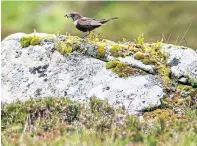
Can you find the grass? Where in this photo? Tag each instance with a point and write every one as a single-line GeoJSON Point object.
{"type": "Point", "coordinates": [61, 121]}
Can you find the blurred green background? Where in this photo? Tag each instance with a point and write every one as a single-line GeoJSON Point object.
{"type": "Point", "coordinates": [172, 19]}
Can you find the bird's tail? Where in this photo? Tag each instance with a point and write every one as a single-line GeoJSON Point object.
{"type": "Point", "coordinates": [113, 18]}
{"type": "Point", "coordinates": [106, 20]}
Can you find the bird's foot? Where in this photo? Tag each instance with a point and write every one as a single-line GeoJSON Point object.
{"type": "Point", "coordinates": [85, 36]}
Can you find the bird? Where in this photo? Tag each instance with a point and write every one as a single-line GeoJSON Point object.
{"type": "Point", "coordinates": [86, 24]}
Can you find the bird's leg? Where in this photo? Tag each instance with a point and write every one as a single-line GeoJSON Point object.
{"type": "Point", "coordinates": [86, 34]}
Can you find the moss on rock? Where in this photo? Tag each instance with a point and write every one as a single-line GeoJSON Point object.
{"type": "Point", "coordinates": [193, 82]}
{"type": "Point", "coordinates": [151, 54]}
{"type": "Point", "coordinates": [164, 72]}
{"type": "Point", "coordinates": [139, 55]}
{"type": "Point", "coordinates": [186, 88]}
{"type": "Point", "coordinates": [26, 41]}
{"type": "Point", "coordinates": [122, 69]}
{"type": "Point", "coordinates": [119, 50]}
{"type": "Point", "coordinates": [63, 48]}
{"type": "Point", "coordinates": [112, 64]}
{"type": "Point", "coordinates": [100, 52]}
{"type": "Point", "coordinates": [147, 61]}
{"type": "Point", "coordinates": [115, 50]}
{"type": "Point", "coordinates": [35, 41]}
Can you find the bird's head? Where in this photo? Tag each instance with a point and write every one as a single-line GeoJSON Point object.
{"type": "Point", "coordinates": [73, 15]}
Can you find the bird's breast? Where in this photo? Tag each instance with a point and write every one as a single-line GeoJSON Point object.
{"type": "Point", "coordinates": [75, 22]}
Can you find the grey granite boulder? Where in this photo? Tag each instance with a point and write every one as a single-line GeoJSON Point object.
{"type": "Point", "coordinates": [41, 71]}
{"type": "Point", "coordinates": [183, 62]}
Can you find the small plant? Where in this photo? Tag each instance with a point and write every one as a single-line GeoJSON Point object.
{"type": "Point", "coordinates": [140, 40]}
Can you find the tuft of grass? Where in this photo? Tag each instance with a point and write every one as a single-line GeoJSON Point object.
{"type": "Point", "coordinates": [140, 40]}
{"type": "Point", "coordinates": [61, 121]}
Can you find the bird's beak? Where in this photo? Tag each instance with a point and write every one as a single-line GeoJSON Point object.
{"type": "Point", "coordinates": [67, 15]}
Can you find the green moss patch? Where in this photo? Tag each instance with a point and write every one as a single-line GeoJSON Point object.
{"type": "Point", "coordinates": [186, 88]}
{"type": "Point", "coordinates": [193, 82]}
{"type": "Point", "coordinates": [122, 69]}
{"type": "Point", "coordinates": [100, 52]}
{"type": "Point", "coordinates": [151, 54]}
{"type": "Point", "coordinates": [67, 44]}
{"type": "Point", "coordinates": [119, 50]}
{"type": "Point", "coordinates": [35, 41]}
{"type": "Point", "coordinates": [139, 55]}
{"type": "Point", "coordinates": [115, 50]}
{"type": "Point", "coordinates": [30, 40]}
{"type": "Point", "coordinates": [63, 48]}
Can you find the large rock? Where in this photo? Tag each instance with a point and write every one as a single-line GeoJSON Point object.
{"type": "Point", "coordinates": [183, 62]}
{"type": "Point", "coordinates": [41, 71]}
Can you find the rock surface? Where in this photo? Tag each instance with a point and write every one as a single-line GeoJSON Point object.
{"type": "Point", "coordinates": [41, 71]}
{"type": "Point", "coordinates": [183, 61]}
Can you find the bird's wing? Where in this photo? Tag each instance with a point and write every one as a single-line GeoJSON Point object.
{"type": "Point", "coordinates": [89, 22]}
